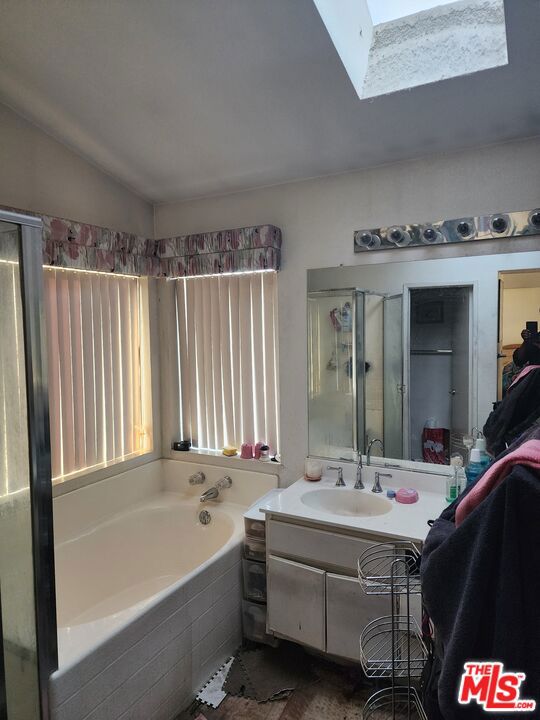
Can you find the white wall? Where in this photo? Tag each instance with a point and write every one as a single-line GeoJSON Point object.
{"type": "Point", "coordinates": [41, 175]}
{"type": "Point", "coordinates": [318, 218]}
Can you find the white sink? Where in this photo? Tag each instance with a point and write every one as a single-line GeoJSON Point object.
{"type": "Point", "coordinates": [341, 501]}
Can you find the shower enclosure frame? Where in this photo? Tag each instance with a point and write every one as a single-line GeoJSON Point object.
{"type": "Point", "coordinates": [39, 447]}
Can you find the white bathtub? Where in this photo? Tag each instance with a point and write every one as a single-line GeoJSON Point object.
{"type": "Point", "coordinates": [148, 598]}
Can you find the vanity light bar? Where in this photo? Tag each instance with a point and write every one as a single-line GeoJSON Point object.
{"type": "Point", "coordinates": [482, 227]}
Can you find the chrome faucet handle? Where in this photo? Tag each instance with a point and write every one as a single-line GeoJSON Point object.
{"type": "Point", "coordinates": [359, 485]}
{"type": "Point", "coordinates": [377, 484]}
{"type": "Point", "coordinates": [339, 481]}
{"type": "Point", "coordinates": [197, 478]}
{"type": "Point", "coordinates": [224, 483]}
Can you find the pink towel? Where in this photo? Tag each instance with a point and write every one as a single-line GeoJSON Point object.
{"type": "Point", "coordinates": [527, 454]}
{"type": "Point", "coordinates": [526, 370]}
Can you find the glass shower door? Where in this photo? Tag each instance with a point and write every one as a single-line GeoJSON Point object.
{"type": "Point", "coordinates": [332, 373]}
{"type": "Point", "coordinates": [26, 577]}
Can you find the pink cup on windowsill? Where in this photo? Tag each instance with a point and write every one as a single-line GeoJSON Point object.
{"type": "Point", "coordinates": [246, 452]}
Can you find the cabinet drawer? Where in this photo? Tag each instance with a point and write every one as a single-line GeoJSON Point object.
{"type": "Point", "coordinates": [348, 611]}
{"type": "Point", "coordinates": [321, 547]}
{"type": "Point", "coordinates": [296, 602]}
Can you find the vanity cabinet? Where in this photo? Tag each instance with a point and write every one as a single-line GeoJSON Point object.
{"type": "Point", "coordinates": [348, 611]}
{"type": "Point", "coordinates": [297, 607]}
{"type": "Point", "coordinates": [314, 596]}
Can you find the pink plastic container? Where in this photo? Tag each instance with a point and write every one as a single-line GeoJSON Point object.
{"type": "Point", "coordinates": [246, 452]}
{"type": "Point", "coordinates": [407, 496]}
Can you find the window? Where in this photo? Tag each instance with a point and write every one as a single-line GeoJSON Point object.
{"type": "Point", "coordinates": [227, 359]}
{"type": "Point", "coordinates": [98, 360]}
{"type": "Point", "coordinates": [383, 44]}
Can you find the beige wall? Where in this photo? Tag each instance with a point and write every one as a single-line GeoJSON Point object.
{"type": "Point", "coordinates": [318, 218]}
{"type": "Point", "coordinates": [41, 175]}
{"type": "Point", "coordinates": [519, 306]}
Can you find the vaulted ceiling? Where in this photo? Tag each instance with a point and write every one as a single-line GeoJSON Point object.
{"type": "Point", "coordinates": [182, 98]}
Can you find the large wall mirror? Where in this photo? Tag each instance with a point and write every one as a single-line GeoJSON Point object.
{"type": "Point", "coordinates": [412, 353]}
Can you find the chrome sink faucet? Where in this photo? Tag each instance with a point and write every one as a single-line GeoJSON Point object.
{"type": "Point", "coordinates": [371, 444]}
{"type": "Point", "coordinates": [359, 485]}
{"type": "Point", "coordinates": [339, 482]}
{"type": "Point", "coordinates": [377, 484]}
{"type": "Point", "coordinates": [213, 492]}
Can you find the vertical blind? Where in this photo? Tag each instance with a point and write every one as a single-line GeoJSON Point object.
{"type": "Point", "coordinates": [227, 359]}
{"type": "Point", "coordinates": [98, 376]}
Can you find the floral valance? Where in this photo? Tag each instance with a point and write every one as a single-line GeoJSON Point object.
{"type": "Point", "coordinates": [225, 251]}
{"type": "Point", "coordinates": [89, 247]}
{"type": "Point", "coordinates": [82, 246]}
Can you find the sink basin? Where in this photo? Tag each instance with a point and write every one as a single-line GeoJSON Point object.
{"type": "Point", "coordinates": [340, 501]}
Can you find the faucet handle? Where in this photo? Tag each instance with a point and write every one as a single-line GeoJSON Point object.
{"type": "Point", "coordinates": [339, 481]}
{"type": "Point", "coordinates": [377, 484]}
{"type": "Point", "coordinates": [197, 478]}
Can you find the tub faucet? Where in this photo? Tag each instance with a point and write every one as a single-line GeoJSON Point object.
{"type": "Point", "coordinates": [210, 494]}
{"type": "Point", "coordinates": [371, 444]}
{"type": "Point", "coordinates": [213, 492]}
{"type": "Point", "coordinates": [339, 481]}
{"type": "Point", "coordinates": [197, 478]}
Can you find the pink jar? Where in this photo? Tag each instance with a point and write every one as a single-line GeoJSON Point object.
{"type": "Point", "coordinates": [246, 452]}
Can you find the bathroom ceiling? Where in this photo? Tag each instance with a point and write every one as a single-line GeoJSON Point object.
{"type": "Point", "coordinates": [183, 98]}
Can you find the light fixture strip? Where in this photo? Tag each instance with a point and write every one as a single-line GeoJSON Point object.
{"type": "Point", "coordinates": [465, 229]}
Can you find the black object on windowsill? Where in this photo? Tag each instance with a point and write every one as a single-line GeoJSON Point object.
{"type": "Point", "coordinates": [182, 445]}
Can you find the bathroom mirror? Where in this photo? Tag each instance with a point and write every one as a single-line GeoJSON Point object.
{"type": "Point", "coordinates": [412, 353]}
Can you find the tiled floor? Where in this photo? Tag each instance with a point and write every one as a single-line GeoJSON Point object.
{"type": "Point", "coordinates": [337, 695]}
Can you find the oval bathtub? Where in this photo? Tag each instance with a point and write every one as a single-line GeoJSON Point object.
{"type": "Point", "coordinates": [148, 597]}
{"type": "Point", "coordinates": [129, 560]}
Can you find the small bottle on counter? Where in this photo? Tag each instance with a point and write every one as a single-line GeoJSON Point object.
{"type": "Point", "coordinates": [457, 480]}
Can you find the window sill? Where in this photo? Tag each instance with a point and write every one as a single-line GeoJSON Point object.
{"type": "Point", "coordinates": [78, 480]}
{"type": "Point", "coordinates": [216, 457]}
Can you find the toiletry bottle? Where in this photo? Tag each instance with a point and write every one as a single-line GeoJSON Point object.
{"type": "Point", "coordinates": [457, 480]}
{"type": "Point", "coordinates": [475, 467]}
{"type": "Point", "coordinates": [480, 444]}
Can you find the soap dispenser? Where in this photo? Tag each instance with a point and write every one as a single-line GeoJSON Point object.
{"type": "Point", "coordinates": [480, 444]}
{"type": "Point", "coordinates": [475, 467]}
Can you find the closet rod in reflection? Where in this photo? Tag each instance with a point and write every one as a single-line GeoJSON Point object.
{"type": "Point", "coordinates": [432, 352]}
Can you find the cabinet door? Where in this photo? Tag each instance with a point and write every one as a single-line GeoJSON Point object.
{"type": "Point", "coordinates": [296, 602]}
{"type": "Point", "coordinates": [348, 611]}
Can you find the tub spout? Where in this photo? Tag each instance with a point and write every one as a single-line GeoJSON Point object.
{"type": "Point", "coordinates": [209, 494]}
{"type": "Point", "coordinates": [213, 492]}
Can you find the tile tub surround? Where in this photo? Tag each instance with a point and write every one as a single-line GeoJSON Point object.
{"type": "Point", "coordinates": [149, 658]}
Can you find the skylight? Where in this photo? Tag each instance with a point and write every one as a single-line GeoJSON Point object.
{"type": "Point", "coordinates": [391, 45]}
{"type": "Point", "coordinates": [386, 10]}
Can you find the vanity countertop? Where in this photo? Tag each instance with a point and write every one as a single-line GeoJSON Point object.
{"type": "Point", "coordinates": [403, 522]}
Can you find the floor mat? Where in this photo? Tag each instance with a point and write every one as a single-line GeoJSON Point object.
{"type": "Point", "coordinates": [237, 682]}
{"type": "Point", "coordinates": [271, 674]}
{"type": "Point", "coordinates": [213, 693]}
